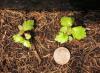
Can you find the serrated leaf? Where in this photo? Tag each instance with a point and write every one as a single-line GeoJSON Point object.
{"type": "Point", "coordinates": [67, 21]}
{"type": "Point", "coordinates": [18, 39]}
{"type": "Point", "coordinates": [61, 37]}
{"type": "Point", "coordinates": [28, 25]}
{"type": "Point", "coordinates": [79, 32]}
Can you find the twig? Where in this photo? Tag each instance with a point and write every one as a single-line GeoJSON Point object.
{"type": "Point", "coordinates": [37, 56]}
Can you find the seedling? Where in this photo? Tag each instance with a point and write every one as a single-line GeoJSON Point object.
{"type": "Point", "coordinates": [67, 32]}
{"type": "Point", "coordinates": [28, 25]}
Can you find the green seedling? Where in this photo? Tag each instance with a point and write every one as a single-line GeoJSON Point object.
{"type": "Point", "coordinates": [18, 38]}
{"type": "Point", "coordinates": [27, 25]}
{"type": "Point", "coordinates": [67, 33]}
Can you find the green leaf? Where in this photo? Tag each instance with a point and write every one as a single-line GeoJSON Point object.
{"type": "Point", "coordinates": [27, 36]}
{"type": "Point", "coordinates": [18, 39]}
{"type": "Point", "coordinates": [67, 21]}
{"type": "Point", "coordinates": [28, 25]}
{"type": "Point", "coordinates": [61, 37]}
{"type": "Point", "coordinates": [66, 30]}
{"type": "Point", "coordinates": [79, 32]}
{"type": "Point", "coordinates": [27, 44]}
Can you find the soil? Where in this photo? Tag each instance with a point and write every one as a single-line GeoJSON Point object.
{"type": "Point", "coordinates": [15, 58]}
